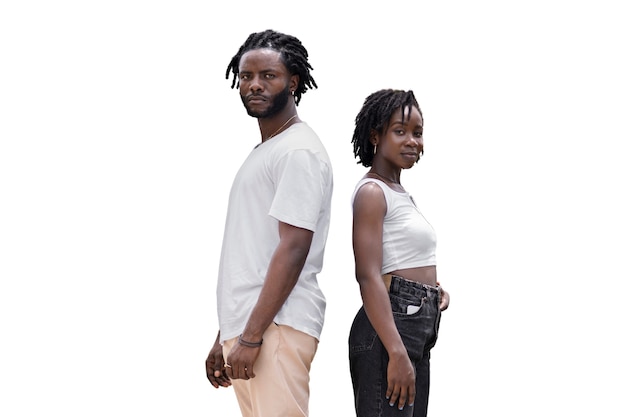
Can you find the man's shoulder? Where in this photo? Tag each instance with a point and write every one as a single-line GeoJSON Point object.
{"type": "Point", "coordinates": [301, 137]}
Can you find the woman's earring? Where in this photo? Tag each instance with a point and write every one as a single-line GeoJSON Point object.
{"type": "Point", "coordinates": [374, 149]}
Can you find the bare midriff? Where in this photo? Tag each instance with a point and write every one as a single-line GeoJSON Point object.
{"type": "Point", "coordinates": [425, 274]}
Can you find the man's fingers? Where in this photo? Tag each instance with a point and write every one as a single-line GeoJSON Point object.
{"type": "Point", "coordinates": [240, 372]}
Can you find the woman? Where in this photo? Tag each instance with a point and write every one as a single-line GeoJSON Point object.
{"type": "Point", "coordinates": [394, 251]}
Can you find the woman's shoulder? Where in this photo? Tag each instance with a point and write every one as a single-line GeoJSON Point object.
{"type": "Point", "coordinates": [369, 180]}
{"type": "Point", "coordinates": [370, 188]}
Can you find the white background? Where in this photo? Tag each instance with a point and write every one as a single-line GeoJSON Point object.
{"type": "Point", "coordinates": [120, 137]}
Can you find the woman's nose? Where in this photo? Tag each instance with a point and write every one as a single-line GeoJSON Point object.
{"type": "Point", "coordinates": [417, 141]}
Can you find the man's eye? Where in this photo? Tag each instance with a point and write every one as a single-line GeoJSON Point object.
{"type": "Point", "coordinates": [269, 76]}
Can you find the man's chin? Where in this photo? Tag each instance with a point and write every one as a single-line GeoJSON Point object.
{"type": "Point", "coordinates": [254, 113]}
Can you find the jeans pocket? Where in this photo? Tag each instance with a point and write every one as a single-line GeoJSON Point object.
{"type": "Point", "coordinates": [403, 306]}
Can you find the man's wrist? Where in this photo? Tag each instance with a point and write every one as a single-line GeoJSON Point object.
{"type": "Point", "coordinates": [246, 343]}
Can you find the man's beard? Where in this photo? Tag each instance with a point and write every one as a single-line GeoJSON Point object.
{"type": "Point", "coordinates": [278, 103]}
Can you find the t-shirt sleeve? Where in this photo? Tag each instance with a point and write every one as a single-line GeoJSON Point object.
{"type": "Point", "coordinates": [302, 179]}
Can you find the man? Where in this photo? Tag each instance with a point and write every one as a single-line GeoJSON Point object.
{"type": "Point", "coordinates": [270, 306]}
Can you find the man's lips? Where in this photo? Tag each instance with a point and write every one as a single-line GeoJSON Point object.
{"type": "Point", "coordinates": [255, 99]}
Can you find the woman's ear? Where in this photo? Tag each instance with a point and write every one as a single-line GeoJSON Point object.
{"type": "Point", "coordinates": [374, 137]}
{"type": "Point", "coordinates": [374, 140]}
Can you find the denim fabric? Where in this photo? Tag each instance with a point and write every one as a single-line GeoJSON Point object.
{"type": "Point", "coordinates": [369, 359]}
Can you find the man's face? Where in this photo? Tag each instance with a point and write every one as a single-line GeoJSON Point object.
{"type": "Point", "coordinates": [264, 83]}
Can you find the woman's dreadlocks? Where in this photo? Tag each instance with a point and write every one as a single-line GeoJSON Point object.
{"type": "Point", "coordinates": [374, 117]}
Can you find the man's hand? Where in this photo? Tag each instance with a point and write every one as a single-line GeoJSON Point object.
{"type": "Point", "coordinates": [241, 361]}
{"type": "Point", "coordinates": [215, 366]}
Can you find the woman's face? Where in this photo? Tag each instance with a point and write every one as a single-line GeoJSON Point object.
{"type": "Point", "coordinates": [402, 142]}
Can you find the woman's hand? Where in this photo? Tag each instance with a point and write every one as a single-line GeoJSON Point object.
{"type": "Point", "coordinates": [445, 299]}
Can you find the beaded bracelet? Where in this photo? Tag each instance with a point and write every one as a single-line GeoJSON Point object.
{"type": "Point", "coordinates": [249, 344]}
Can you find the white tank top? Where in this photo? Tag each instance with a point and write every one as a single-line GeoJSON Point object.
{"type": "Point", "coordinates": [409, 241]}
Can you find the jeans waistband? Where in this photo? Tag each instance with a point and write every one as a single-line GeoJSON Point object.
{"type": "Point", "coordinates": [395, 284]}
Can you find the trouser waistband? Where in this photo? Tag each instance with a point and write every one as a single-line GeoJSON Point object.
{"type": "Point", "coordinates": [388, 278]}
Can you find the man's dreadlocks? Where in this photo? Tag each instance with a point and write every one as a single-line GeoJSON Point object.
{"type": "Point", "coordinates": [294, 56]}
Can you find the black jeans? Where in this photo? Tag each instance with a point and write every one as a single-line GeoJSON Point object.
{"type": "Point", "coordinates": [369, 359]}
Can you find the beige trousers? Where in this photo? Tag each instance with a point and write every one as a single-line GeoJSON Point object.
{"type": "Point", "coordinates": [281, 385]}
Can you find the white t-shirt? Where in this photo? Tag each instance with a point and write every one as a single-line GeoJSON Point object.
{"type": "Point", "coordinates": [409, 241]}
{"type": "Point", "coordinates": [289, 179]}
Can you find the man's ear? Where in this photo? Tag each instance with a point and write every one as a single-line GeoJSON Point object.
{"type": "Point", "coordinates": [293, 83]}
